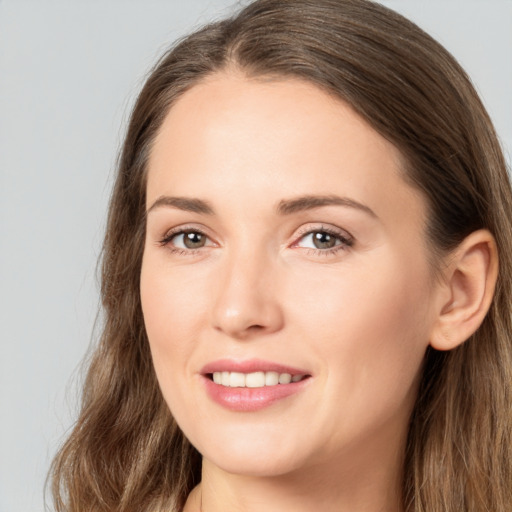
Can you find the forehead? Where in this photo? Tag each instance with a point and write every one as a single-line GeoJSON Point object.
{"type": "Point", "coordinates": [275, 138]}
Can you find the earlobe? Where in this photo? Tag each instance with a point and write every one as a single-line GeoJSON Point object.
{"type": "Point", "coordinates": [468, 289]}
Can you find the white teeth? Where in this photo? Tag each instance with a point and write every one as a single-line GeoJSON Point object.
{"type": "Point", "coordinates": [236, 380]}
{"type": "Point", "coordinates": [253, 380]}
{"type": "Point", "coordinates": [271, 378]}
{"type": "Point", "coordinates": [285, 378]}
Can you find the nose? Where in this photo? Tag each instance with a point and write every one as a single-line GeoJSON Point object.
{"type": "Point", "coordinates": [247, 299]}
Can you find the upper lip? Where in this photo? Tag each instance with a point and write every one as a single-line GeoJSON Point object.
{"type": "Point", "coordinates": [250, 366]}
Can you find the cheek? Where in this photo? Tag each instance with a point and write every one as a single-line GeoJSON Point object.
{"type": "Point", "coordinates": [170, 300]}
{"type": "Point", "coordinates": [362, 305]}
{"type": "Point", "coordinates": [370, 327]}
{"type": "Point", "coordinates": [171, 305]}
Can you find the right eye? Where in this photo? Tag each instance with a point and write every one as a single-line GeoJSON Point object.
{"type": "Point", "coordinates": [189, 240]}
{"type": "Point", "coordinates": [186, 240]}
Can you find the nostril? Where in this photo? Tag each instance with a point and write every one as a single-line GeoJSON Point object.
{"type": "Point", "coordinates": [255, 328]}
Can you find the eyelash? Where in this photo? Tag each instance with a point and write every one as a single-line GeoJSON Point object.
{"type": "Point", "coordinates": [346, 240]}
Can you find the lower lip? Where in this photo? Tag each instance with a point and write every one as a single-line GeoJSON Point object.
{"type": "Point", "coordinates": [251, 399]}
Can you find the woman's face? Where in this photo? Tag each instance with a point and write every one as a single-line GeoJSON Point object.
{"type": "Point", "coordinates": [283, 244]}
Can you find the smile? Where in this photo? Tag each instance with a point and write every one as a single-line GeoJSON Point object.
{"type": "Point", "coordinates": [252, 385]}
{"type": "Point", "coordinates": [254, 379]}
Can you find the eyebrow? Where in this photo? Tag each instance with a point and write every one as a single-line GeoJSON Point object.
{"type": "Point", "coordinates": [183, 203]}
{"type": "Point", "coordinates": [284, 207]}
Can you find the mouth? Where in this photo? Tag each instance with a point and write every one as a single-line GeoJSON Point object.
{"type": "Point", "coordinates": [246, 386]}
{"type": "Point", "coordinates": [258, 379]}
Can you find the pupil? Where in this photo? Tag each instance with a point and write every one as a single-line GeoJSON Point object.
{"type": "Point", "coordinates": [323, 240]}
{"type": "Point", "coordinates": [193, 240]}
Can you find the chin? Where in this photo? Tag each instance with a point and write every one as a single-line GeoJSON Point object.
{"type": "Point", "coordinates": [256, 453]}
{"type": "Point", "coordinates": [250, 465]}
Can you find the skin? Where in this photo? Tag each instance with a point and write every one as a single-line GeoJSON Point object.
{"type": "Point", "coordinates": [358, 318]}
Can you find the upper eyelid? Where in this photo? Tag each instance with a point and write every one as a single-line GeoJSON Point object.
{"type": "Point", "coordinates": [311, 228]}
{"type": "Point", "coordinates": [183, 228]}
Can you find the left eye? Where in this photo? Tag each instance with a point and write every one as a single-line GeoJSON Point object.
{"type": "Point", "coordinates": [322, 240]}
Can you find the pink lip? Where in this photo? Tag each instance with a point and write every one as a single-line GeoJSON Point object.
{"type": "Point", "coordinates": [250, 399]}
{"type": "Point", "coordinates": [251, 365]}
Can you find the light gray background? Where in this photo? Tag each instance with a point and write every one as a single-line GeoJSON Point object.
{"type": "Point", "coordinates": [69, 71]}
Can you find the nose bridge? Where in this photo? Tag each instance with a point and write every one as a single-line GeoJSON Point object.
{"type": "Point", "coordinates": [247, 299]}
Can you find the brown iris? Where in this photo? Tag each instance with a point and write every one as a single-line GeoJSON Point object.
{"type": "Point", "coordinates": [323, 240]}
{"type": "Point", "coordinates": [194, 240]}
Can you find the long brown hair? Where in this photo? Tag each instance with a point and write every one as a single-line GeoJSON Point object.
{"type": "Point", "coordinates": [126, 452]}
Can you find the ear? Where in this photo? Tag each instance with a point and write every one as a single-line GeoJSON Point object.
{"type": "Point", "coordinates": [467, 290]}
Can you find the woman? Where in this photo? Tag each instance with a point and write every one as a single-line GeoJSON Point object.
{"type": "Point", "coordinates": [307, 279]}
